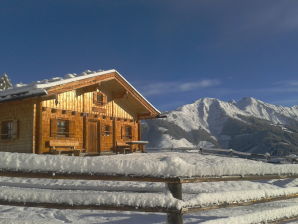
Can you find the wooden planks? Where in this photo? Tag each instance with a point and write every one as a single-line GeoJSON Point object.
{"type": "Point", "coordinates": [92, 136]}
{"type": "Point", "coordinates": [75, 128]}
{"type": "Point", "coordinates": [21, 112]}
{"type": "Point", "coordinates": [106, 134]}
{"type": "Point", "coordinates": [84, 102]}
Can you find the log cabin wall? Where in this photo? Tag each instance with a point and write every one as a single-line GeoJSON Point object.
{"type": "Point", "coordinates": [121, 125]}
{"type": "Point", "coordinates": [49, 118]}
{"type": "Point", "coordinates": [83, 102]}
{"type": "Point", "coordinates": [17, 124]}
{"type": "Point", "coordinates": [96, 128]}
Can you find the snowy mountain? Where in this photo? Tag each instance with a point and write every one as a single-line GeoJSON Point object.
{"type": "Point", "coordinates": [248, 125]}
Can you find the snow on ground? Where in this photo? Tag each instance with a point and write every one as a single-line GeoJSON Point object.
{"type": "Point", "coordinates": [148, 164]}
{"type": "Point", "coordinates": [237, 215]}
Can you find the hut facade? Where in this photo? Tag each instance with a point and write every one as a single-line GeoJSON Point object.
{"type": "Point", "coordinates": [96, 112]}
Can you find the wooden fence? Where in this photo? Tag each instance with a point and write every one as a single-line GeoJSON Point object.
{"type": "Point", "coordinates": [174, 185]}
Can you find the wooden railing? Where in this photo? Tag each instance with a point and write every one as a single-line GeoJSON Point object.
{"type": "Point", "coordinates": [174, 185]}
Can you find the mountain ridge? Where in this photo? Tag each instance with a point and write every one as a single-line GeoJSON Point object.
{"type": "Point", "coordinates": [263, 127]}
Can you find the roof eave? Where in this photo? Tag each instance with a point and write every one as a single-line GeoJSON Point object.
{"type": "Point", "coordinates": [155, 109]}
{"type": "Point", "coordinates": [42, 93]}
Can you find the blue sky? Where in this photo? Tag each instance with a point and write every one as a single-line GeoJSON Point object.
{"type": "Point", "coordinates": [174, 52]}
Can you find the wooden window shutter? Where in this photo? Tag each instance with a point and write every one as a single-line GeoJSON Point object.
{"type": "Point", "coordinates": [102, 128]}
{"type": "Point", "coordinates": [134, 132]}
{"type": "Point", "coordinates": [122, 131]}
{"type": "Point", "coordinates": [53, 127]}
{"type": "Point", "coordinates": [131, 128]}
{"type": "Point", "coordinates": [15, 129]}
{"type": "Point", "coordinates": [95, 97]}
{"type": "Point", "coordinates": [105, 99]}
{"type": "Point", "coordinates": [72, 128]}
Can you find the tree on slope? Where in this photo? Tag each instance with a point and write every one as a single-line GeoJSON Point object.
{"type": "Point", "coordinates": [5, 82]}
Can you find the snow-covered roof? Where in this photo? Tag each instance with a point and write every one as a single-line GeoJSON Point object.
{"type": "Point", "coordinates": [40, 87]}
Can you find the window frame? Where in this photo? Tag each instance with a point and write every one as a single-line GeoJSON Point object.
{"type": "Point", "coordinates": [128, 132]}
{"type": "Point", "coordinates": [101, 96]}
{"type": "Point", "coordinates": [107, 132]}
{"type": "Point", "coordinates": [11, 131]}
{"type": "Point", "coordinates": [66, 132]}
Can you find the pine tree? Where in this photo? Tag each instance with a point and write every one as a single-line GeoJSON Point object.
{"type": "Point", "coordinates": [5, 82]}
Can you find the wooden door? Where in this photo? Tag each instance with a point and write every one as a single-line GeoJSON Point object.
{"type": "Point", "coordinates": [92, 136]}
{"type": "Point", "coordinates": [106, 135]}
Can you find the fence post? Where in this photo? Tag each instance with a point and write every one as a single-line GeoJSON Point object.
{"type": "Point", "coordinates": [176, 191]}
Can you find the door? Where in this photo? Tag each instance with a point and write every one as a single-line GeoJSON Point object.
{"type": "Point", "coordinates": [106, 135]}
{"type": "Point", "coordinates": [92, 136]}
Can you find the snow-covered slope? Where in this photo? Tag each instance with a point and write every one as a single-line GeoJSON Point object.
{"type": "Point", "coordinates": [247, 125]}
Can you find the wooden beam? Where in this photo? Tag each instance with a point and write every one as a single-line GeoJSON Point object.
{"type": "Point", "coordinates": [80, 84]}
{"type": "Point", "coordinates": [174, 218]}
{"type": "Point", "coordinates": [38, 127]}
{"type": "Point", "coordinates": [141, 116]}
{"type": "Point", "coordinates": [235, 178]}
{"type": "Point", "coordinates": [119, 95]}
{"type": "Point", "coordinates": [86, 176]}
{"type": "Point", "coordinates": [176, 191]}
{"type": "Point", "coordinates": [99, 110]}
{"type": "Point", "coordinates": [135, 94]}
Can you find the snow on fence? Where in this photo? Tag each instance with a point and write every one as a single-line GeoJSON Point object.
{"type": "Point", "coordinates": [62, 167]}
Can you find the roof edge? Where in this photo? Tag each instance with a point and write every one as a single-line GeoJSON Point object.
{"type": "Point", "coordinates": [136, 91]}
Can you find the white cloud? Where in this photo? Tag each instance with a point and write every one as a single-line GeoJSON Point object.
{"type": "Point", "coordinates": [188, 86]}
{"type": "Point", "coordinates": [171, 87]}
{"type": "Point", "coordinates": [287, 83]}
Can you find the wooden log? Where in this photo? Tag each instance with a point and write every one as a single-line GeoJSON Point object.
{"type": "Point", "coordinates": [283, 220]}
{"type": "Point", "coordinates": [119, 177]}
{"type": "Point", "coordinates": [85, 176]}
{"type": "Point", "coordinates": [236, 178]}
{"type": "Point", "coordinates": [90, 207]}
{"type": "Point", "coordinates": [236, 204]}
{"type": "Point", "coordinates": [176, 191]}
{"type": "Point", "coordinates": [174, 218]}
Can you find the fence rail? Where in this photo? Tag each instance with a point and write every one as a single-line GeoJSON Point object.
{"type": "Point", "coordinates": [174, 185]}
{"type": "Point", "coordinates": [136, 178]}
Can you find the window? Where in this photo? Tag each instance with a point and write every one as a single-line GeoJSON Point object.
{"type": "Point", "coordinates": [127, 132]}
{"type": "Point", "coordinates": [99, 99]}
{"type": "Point", "coordinates": [9, 129]}
{"type": "Point", "coordinates": [62, 128]}
{"type": "Point", "coordinates": [106, 130]}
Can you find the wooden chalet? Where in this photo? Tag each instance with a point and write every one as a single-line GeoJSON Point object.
{"type": "Point", "coordinates": [95, 112]}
